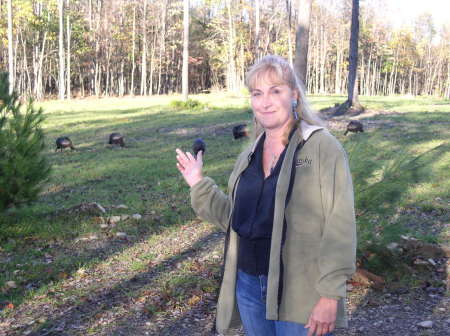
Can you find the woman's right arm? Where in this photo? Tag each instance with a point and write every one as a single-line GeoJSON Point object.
{"type": "Point", "coordinates": [210, 203]}
{"type": "Point", "coordinates": [207, 200]}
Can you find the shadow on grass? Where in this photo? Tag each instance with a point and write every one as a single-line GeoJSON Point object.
{"type": "Point", "coordinates": [382, 181]}
{"type": "Point", "coordinates": [68, 258]}
{"type": "Point", "coordinates": [80, 315]}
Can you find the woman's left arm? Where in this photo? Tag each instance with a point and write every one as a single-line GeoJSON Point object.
{"type": "Point", "coordinates": [337, 255]}
{"type": "Point", "coordinates": [338, 244]}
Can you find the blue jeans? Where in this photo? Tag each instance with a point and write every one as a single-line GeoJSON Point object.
{"type": "Point", "coordinates": [251, 294]}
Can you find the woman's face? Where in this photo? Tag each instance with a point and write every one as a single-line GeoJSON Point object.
{"type": "Point", "coordinates": [272, 102]}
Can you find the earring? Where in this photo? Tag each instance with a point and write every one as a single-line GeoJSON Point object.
{"type": "Point", "coordinates": [294, 109]}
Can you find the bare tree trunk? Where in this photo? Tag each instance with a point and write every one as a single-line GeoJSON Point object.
{"type": "Point", "coordinates": [338, 80]}
{"type": "Point", "coordinates": [10, 48]}
{"type": "Point", "coordinates": [323, 59]}
{"type": "Point", "coordinates": [121, 80]}
{"type": "Point", "coordinates": [289, 11]}
{"type": "Point", "coordinates": [144, 53]}
{"type": "Point", "coordinates": [378, 77]}
{"type": "Point", "coordinates": [152, 64]}
{"type": "Point", "coordinates": [447, 90]}
{"type": "Point", "coordinates": [28, 85]}
{"type": "Point", "coordinates": [162, 44]}
{"type": "Point", "coordinates": [353, 62]}
{"type": "Point", "coordinates": [61, 90]}
{"type": "Point", "coordinates": [38, 81]}
{"type": "Point", "coordinates": [367, 84]}
{"type": "Point", "coordinates": [302, 39]}
{"type": "Point", "coordinates": [385, 89]}
{"type": "Point", "coordinates": [69, 33]}
{"type": "Point", "coordinates": [231, 67]}
{"type": "Point", "coordinates": [185, 73]}
{"type": "Point", "coordinates": [435, 69]}
{"type": "Point", "coordinates": [242, 65]}
{"type": "Point", "coordinates": [361, 77]}
{"type": "Point", "coordinates": [392, 75]}
{"type": "Point", "coordinates": [108, 66]}
{"type": "Point", "coordinates": [97, 77]}
{"type": "Point", "coordinates": [90, 15]}
{"type": "Point", "coordinates": [257, 29]}
{"type": "Point", "coordinates": [98, 60]}
{"type": "Point", "coordinates": [352, 104]}
{"type": "Point", "coordinates": [81, 79]}
{"type": "Point", "coordinates": [133, 50]}
{"type": "Point", "coordinates": [374, 78]}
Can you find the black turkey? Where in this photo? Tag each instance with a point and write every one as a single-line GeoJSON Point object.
{"type": "Point", "coordinates": [354, 126]}
{"type": "Point", "coordinates": [240, 131]}
{"type": "Point", "coordinates": [116, 139]}
{"type": "Point", "coordinates": [198, 145]}
{"type": "Point", "coordinates": [64, 142]}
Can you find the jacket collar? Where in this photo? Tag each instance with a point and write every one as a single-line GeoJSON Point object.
{"type": "Point", "coordinates": [306, 130]}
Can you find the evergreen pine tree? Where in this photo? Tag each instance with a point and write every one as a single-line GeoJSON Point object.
{"type": "Point", "coordinates": [23, 167]}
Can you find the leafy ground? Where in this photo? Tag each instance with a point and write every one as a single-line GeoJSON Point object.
{"type": "Point", "coordinates": [67, 270]}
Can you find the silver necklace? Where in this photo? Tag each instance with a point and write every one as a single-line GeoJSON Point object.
{"type": "Point", "coordinates": [274, 161]}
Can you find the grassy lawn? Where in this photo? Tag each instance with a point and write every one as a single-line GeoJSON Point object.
{"type": "Point", "coordinates": [400, 167]}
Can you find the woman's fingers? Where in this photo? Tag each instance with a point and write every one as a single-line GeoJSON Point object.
{"type": "Point", "coordinates": [189, 166]}
{"type": "Point", "coordinates": [185, 159]}
{"type": "Point", "coordinates": [331, 327]}
{"type": "Point", "coordinates": [181, 156]}
{"type": "Point", "coordinates": [190, 157]}
{"type": "Point", "coordinates": [321, 329]}
{"type": "Point", "coordinates": [323, 317]}
{"type": "Point", "coordinates": [312, 327]}
{"type": "Point", "coordinates": [180, 167]}
{"type": "Point", "coordinates": [200, 157]}
{"type": "Point", "coordinates": [315, 328]}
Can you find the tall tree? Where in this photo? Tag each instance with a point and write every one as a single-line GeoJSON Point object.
{"type": "Point", "coordinates": [61, 49]}
{"type": "Point", "coordinates": [162, 43]}
{"type": "Point", "coordinates": [185, 83]}
{"type": "Point", "coordinates": [10, 48]}
{"type": "Point", "coordinates": [68, 31]}
{"type": "Point", "coordinates": [302, 39]}
{"type": "Point", "coordinates": [257, 29]}
{"type": "Point", "coordinates": [231, 65]}
{"type": "Point", "coordinates": [352, 104]}
{"type": "Point", "coordinates": [289, 13]}
{"type": "Point", "coordinates": [133, 50]}
{"type": "Point", "coordinates": [144, 53]}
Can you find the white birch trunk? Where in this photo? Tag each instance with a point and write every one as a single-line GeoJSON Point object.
{"type": "Point", "coordinates": [10, 48]}
{"type": "Point", "coordinates": [61, 91]}
{"type": "Point", "coordinates": [185, 73]}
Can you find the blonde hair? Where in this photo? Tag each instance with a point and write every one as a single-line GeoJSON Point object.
{"type": "Point", "coordinates": [278, 70]}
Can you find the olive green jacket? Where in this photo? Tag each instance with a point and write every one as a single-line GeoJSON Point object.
{"type": "Point", "coordinates": [317, 255]}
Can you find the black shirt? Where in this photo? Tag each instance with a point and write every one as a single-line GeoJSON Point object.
{"type": "Point", "coordinates": [253, 213]}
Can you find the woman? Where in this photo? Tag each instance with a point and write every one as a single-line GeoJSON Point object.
{"type": "Point", "coordinates": [289, 216]}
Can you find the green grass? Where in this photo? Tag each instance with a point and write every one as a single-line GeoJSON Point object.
{"type": "Point", "coordinates": [398, 166]}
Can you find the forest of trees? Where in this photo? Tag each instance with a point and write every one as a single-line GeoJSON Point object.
{"type": "Point", "coordinates": [135, 47]}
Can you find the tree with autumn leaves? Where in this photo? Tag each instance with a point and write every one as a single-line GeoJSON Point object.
{"type": "Point", "coordinates": [129, 47]}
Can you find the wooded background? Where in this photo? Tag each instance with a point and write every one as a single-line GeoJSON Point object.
{"type": "Point", "coordinates": [135, 47]}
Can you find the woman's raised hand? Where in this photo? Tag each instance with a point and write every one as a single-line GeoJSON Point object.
{"type": "Point", "coordinates": [189, 166]}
